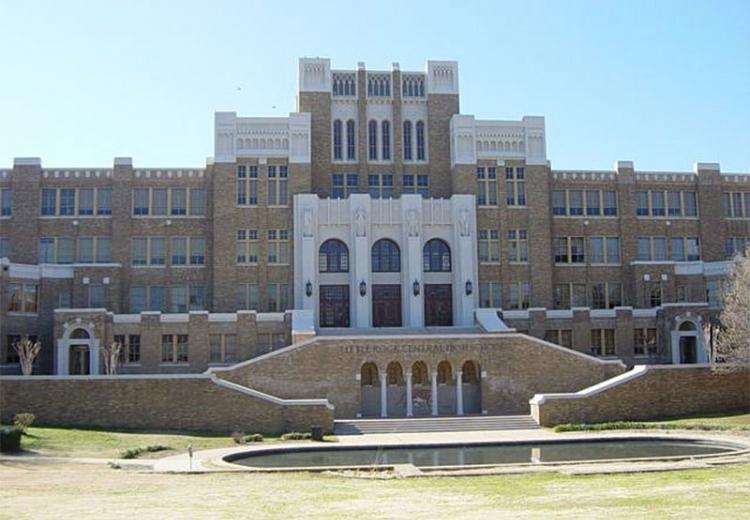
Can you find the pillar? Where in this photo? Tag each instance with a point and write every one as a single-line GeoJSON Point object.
{"type": "Point", "coordinates": [62, 357]}
{"type": "Point", "coordinates": [383, 395]}
{"type": "Point", "coordinates": [94, 358]}
{"type": "Point", "coordinates": [459, 393]}
{"type": "Point", "coordinates": [434, 393]}
{"type": "Point", "coordinates": [409, 404]}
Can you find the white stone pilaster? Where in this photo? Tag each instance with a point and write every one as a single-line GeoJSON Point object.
{"type": "Point", "coordinates": [409, 403]}
{"type": "Point", "coordinates": [62, 357]}
{"type": "Point", "coordinates": [459, 393]}
{"type": "Point", "coordinates": [94, 357]}
{"type": "Point", "coordinates": [383, 395]}
{"type": "Point", "coordinates": [434, 394]}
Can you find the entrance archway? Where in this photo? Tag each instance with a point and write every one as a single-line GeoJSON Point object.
{"type": "Point", "coordinates": [446, 389]}
{"type": "Point", "coordinates": [79, 362]}
{"type": "Point", "coordinates": [688, 346]}
{"type": "Point", "coordinates": [396, 393]}
{"type": "Point", "coordinates": [370, 390]}
{"type": "Point", "coordinates": [471, 387]}
{"type": "Point", "coordinates": [78, 350]}
{"type": "Point", "coordinates": [421, 390]}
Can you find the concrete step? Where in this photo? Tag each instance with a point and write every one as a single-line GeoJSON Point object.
{"type": "Point", "coordinates": [434, 424]}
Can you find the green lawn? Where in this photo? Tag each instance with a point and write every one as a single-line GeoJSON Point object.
{"type": "Point", "coordinates": [738, 421]}
{"type": "Point", "coordinates": [28, 490]}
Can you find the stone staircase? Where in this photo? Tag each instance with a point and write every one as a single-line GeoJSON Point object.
{"type": "Point", "coordinates": [435, 424]}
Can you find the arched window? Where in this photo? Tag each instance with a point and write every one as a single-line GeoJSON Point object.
{"type": "Point", "coordinates": [386, 257]}
{"type": "Point", "coordinates": [351, 149]}
{"type": "Point", "coordinates": [394, 374]}
{"type": "Point", "coordinates": [79, 334]}
{"type": "Point", "coordinates": [420, 141]}
{"type": "Point", "coordinates": [470, 372]}
{"type": "Point", "coordinates": [385, 139]}
{"type": "Point", "coordinates": [687, 325]}
{"type": "Point", "coordinates": [407, 141]}
{"type": "Point", "coordinates": [419, 374]}
{"type": "Point", "coordinates": [436, 257]}
{"type": "Point", "coordinates": [444, 373]}
{"type": "Point", "coordinates": [337, 151]}
{"type": "Point", "coordinates": [372, 131]}
{"type": "Point", "coordinates": [334, 257]}
{"type": "Point", "coordinates": [369, 374]}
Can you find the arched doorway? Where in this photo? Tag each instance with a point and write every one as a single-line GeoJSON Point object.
{"type": "Point", "coordinates": [396, 391]}
{"type": "Point", "coordinates": [80, 356]}
{"type": "Point", "coordinates": [333, 264]}
{"type": "Point", "coordinates": [385, 258]}
{"type": "Point", "coordinates": [421, 390]}
{"type": "Point", "coordinates": [446, 389]}
{"type": "Point", "coordinates": [471, 387]}
{"type": "Point", "coordinates": [688, 343]}
{"type": "Point", "coordinates": [438, 296]}
{"type": "Point", "coordinates": [370, 390]}
{"type": "Point", "coordinates": [78, 351]}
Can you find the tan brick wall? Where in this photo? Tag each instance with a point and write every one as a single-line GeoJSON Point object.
{"type": "Point", "coordinates": [662, 392]}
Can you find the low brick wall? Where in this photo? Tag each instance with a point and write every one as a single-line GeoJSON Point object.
{"type": "Point", "coordinates": [194, 403]}
{"type": "Point", "coordinates": [648, 392]}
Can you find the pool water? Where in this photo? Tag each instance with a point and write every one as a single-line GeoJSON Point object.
{"type": "Point", "coordinates": [559, 451]}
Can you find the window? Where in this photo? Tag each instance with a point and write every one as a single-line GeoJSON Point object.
{"type": "Point", "coordinates": [674, 204]}
{"type": "Point", "coordinates": [94, 250]}
{"type": "Point", "coordinates": [159, 202]}
{"type": "Point", "coordinates": [174, 348]}
{"type": "Point", "coordinates": [157, 298]}
{"type": "Point", "coordinates": [380, 186]}
{"type": "Point", "coordinates": [22, 297]}
{"type": "Point", "coordinates": [351, 140]}
{"type": "Point", "coordinates": [610, 203]}
{"type": "Point", "coordinates": [6, 202]}
{"type": "Point", "coordinates": [603, 342]}
{"type": "Point", "coordinates": [736, 204]}
{"type": "Point", "coordinates": [593, 203]}
{"type": "Point", "coordinates": [86, 201]}
{"type": "Point", "coordinates": [49, 202]}
{"type": "Point", "coordinates": [520, 294]}
{"type": "Point", "coordinates": [197, 202]}
{"type": "Point", "coordinates": [343, 184]}
{"type": "Point", "coordinates": [104, 201]}
{"type": "Point", "coordinates": [420, 141]}
{"type": "Point", "coordinates": [685, 248]}
{"type": "Point", "coordinates": [247, 296]}
{"type": "Point", "coordinates": [277, 185]}
{"type": "Point", "coordinates": [372, 140]}
{"type": "Point", "coordinates": [652, 249]}
{"type": "Point", "coordinates": [278, 246]}
{"type": "Point", "coordinates": [333, 257]}
{"type": "Point", "coordinates": [270, 342]}
{"type": "Point", "coordinates": [277, 297]}
{"type": "Point", "coordinates": [412, 86]}
{"type": "Point", "coordinates": [421, 186]}
{"type": "Point", "coordinates": [489, 295]}
{"type": "Point", "coordinates": [197, 300]}
{"type": "Point", "coordinates": [223, 348]}
{"type": "Point", "coordinates": [436, 256]}
{"type": "Point", "coordinates": [518, 245]}
{"type": "Point", "coordinates": [138, 297]}
{"type": "Point", "coordinates": [386, 257]}
{"type": "Point", "coordinates": [515, 186]}
{"type": "Point", "coordinates": [562, 337]}
{"type": "Point", "coordinates": [604, 250]}
{"type": "Point", "coordinates": [337, 140]}
{"type": "Point", "coordinates": [657, 203]}
{"type": "Point", "coordinates": [149, 251]}
{"type": "Point", "coordinates": [606, 295]}
{"type": "Point", "coordinates": [713, 293]}
{"type": "Point", "coordinates": [642, 209]}
{"type": "Point", "coordinates": [569, 250]}
{"type": "Point", "coordinates": [408, 156]}
{"type": "Point", "coordinates": [140, 201]}
{"type": "Point", "coordinates": [247, 185]}
{"type": "Point", "coordinates": [344, 84]}
{"type": "Point", "coordinates": [86, 250]}
{"type": "Point", "coordinates": [385, 140]}
{"type": "Point", "coordinates": [489, 245]}
{"type": "Point", "coordinates": [130, 347]}
{"type": "Point", "coordinates": [569, 295]}
{"type": "Point", "coordinates": [96, 296]}
{"type": "Point", "coordinates": [644, 341]}
{"type": "Point", "coordinates": [690, 204]}
{"type": "Point", "coordinates": [197, 251]}
{"type": "Point", "coordinates": [179, 251]}
{"type": "Point", "coordinates": [4, 248]}
{"type": "Point", "coordinates": [575, 202]}
{"type": "Point", "coordinates": [157, 251]}
{"type": "Point", "coordinates": [732, 246]}
{"type": "Point", "coordinates": [558, 203]}
{"type": "Point", "coordinates": [247, 246]}
{"type": "Point", "coordinates": [67, 202]}
{"type": "Point", "coordinates": [179, 202]}
{"type": "Point", "coordinates": [652, 294]}
{"type": "Point", "coordinates": [378, 85]}
{"type": "Point", "coordinates": [693, 249]}
{"type": "Point", "coordinates": [486, 186]}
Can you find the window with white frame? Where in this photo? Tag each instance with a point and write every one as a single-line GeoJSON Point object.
{"type": "Point", "coordinates": [247, 185]}
{"type": "Point", "coordinates": [666, 203]}
{"type": "Point", "coordinates": [606, 295]}
{"type": "Point", "coordinates": [417, 184]}
{"type": "Point", "coordinates": [247, 296]}
{"type": "Point", "coordinates": [82, 202]}
{"type": "Point", "coordinates": [277, 294]}
{"type": "Point", "coordinates": [343, 184]}
{"type": "Point", "coordinates": [380, 186]}
{"type": "Point", "coordinates": [94, 250]}
{"type": "Point", "coordinates": [277, 185]}
{"type": "Point", "coordinates": [344, 84]}
{"type": "Point", "coordinates": [603, 342]}
{"type": "Point", "coordinates": [515, 186]}
{"type": "Point", "coordinates": [421, 148]}
{"type": "Point", "coordinates": [652, 249]}
{"type": "Point", "coordinates": [562, 337]}
{"type": "Point", "coordinates": [372, 140]}
{"type": "Point", "coordinates": [168, 202]}
{"type": "Point", "coordinates": [130, 347]}
{"type": "Point", "coordinates": [174, 348]}
{"type": "Point", "coordinates": [520, 295]}
{"type": "Point", "coordinates": [407, 136]}
{"type": "Point", "coordinates": [489, 295]}
{"type": "Point", "coordinates": [569, 295]}
{"type": "Point", "coordinates": [518, 246]}
{"type": "Point", "coordinates": [56, 250]}
{"type": "Point", "coordinates": [645, 341]}
{"type": "Point", "coordinates": [95, 296]}
{"type": "Point", "coordinates": [486, 186]}
{"type": "Point", "coordinates": [736, 204]}
{"type": "Point", "coordinates": [278, 246]}
{"type": "Point", "coordinates": [652, 294]}
{"type": "Point", "coordinates": [732, 246]}
{"type": "Point", "coordinates": [569, 250]}
{"type": "Point", "coordinates": [412, 85]}
{"type": "Point", "coordinates": [148, 251]}
{"type": "Point", "coordinates": [351, 140]}
{"type": "Point", "coordinates": [604, 250]}
{"type": "Point", "coordinates": [385, 140]}
{"type": "Point", "coordinates": [6, 202]}
{"type": "Point", "coordinates": [489, 245]}
{"type": "Point", "coordinates": [247, 246]}
{"type": "Point", "coordinates": [338, 132]}
{"type": "Point", "coordinates": [222, 348]}
{"type": "Point", "coordinates": [378, 85]}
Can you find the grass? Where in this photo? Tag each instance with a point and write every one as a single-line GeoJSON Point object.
{"type": "Point", "coordinates": [28, 490]}
{"type": "Point", "coordinates": [725, 422]}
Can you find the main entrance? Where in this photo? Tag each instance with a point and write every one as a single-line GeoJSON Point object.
{"type": "Point", "coordinates": [438, 305]}
{"type": "Point", "coordinates": [80, 360]}
{"type": "Point", "coordinates": [386, 305]}
{"type": "Point", "coordinates": [334, 305]}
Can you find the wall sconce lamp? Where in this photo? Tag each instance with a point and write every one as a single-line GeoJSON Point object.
{"type": "Point", "coordinates": [415, 287]}
{"type": "Point", "coordinates": [362, 288]}
{"type": "Point", "coordinates": [308, 288]}
{"type": "Point", "coordinates": [469, 288]}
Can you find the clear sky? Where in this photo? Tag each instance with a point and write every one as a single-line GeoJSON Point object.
{"type": "Point", "coordinates": [662, 83]}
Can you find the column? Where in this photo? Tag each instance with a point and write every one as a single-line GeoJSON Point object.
{"type": "Point", "coordinates": [459, 393]}
{"type": "Point", "coordinates": [62, 357]}
{"type": "Point", "coordinates": [409, 404]}
{"type": "Point", "coordinates": [383, 396]}
{"type": "Point", "coordinates": [434, 393]}
{"type": "Point", "coordinates": [94, 357]}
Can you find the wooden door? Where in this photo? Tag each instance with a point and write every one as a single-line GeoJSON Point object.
{"type": "Point", "coordinates": [386, 305]}
{"type": "Point", "coordinates": [438, 305]}
{"type": "Point", "coordinates": [334, 305]}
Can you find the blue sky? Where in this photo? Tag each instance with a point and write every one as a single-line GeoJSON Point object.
{"type": "Point", "coordinates": [661, 83]}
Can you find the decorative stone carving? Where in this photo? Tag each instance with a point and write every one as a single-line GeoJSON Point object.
{"type": "Point", "coordinates": [360, 223]}
{"type": "Point", "coordinates": [463, 223]}
{"type": "Point", "coordinates": [307, 224]}
{"type": "Point", "coordinates": [412, 223]}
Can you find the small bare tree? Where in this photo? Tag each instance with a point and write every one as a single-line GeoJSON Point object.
{"type": "Point", "coordinates": [27, 352]}
{"type": "Point", "coordinates": [733, 341]}
{"type": "Point", "coordinates": [111, 352]}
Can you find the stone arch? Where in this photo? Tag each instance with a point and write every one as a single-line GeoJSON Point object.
{"type": "Point", "coordinates": [385, 256]}
{"type": "Point", "coordinates": [471, 387]}
{"type": "Point", "coordinates": [436, 256]}
{"type": "Point", "coordinates": [396, 390]}
{"type": "Point", "coordinates": [80, 333]}
{"type": "Point", "coordinates": [333, 257]}
{"type": "Point", "coordinates": [369, 390]}
{"type": "Point", "coordinates": [444, 373]}
{"type": "Point", "coordinates": [446, 389]}
{"type": "Point", "coordinates": [369, 374]}
{"type": "Point", "coordinates": [419, 374]}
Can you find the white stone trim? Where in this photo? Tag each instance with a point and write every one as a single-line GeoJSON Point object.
{"type": "Point", "coordinates": [636, 372]}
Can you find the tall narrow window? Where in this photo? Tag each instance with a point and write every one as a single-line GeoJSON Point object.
{"type": "Point", "coordinates": [159, 201]}
{"type": "Point", "coordinates": [372, 136]}
{"type": "Point", "coordinates": [179, 201]}
{"type": "Point", "coordinates": [515, 186]}
{"type": "Point", "coordinates": [420, 141]}
{"type": "Point", "coordinates": [486, 186]}
{"type": "Point", "coordinates": [104, 201]}
{"type": "Point", "coordinates": [49, 202]}
{"type": "Point", "coordinates": [489, 245]}
{"type": "Point", "coordinates": [337, 131]}
{"type": "Point", "coordinates": [197, 202]}
{"type": "Point", "coordinates": [6, 202]}
{"type": "Point", "coordinates": [407, 141]}
{"type": "Point", "coordinates": [385, 135]}
{"type": "Point", "coordinates": [351, 139]}
{"type": "Point", "coordinates": [67, 201]}
{"type": "Point", "coordinates": [86, 201]}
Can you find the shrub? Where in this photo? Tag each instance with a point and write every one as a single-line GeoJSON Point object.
{"type": "Point", "coordinates": [295, 436]}
{"type": "Point", "coordinates": [238, 437]}
{"type": "Point", "coordinates": [134, 453]}
{"type": "Point", "coordinates": [10, 439]}
{"type": "Point", "coordinates": [253, 437]}
{"type": "Point", "coordinates": [24, 420]}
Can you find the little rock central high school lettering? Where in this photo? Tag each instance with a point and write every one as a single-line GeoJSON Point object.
{"type": "Point", "coordinates": [411, 349]}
